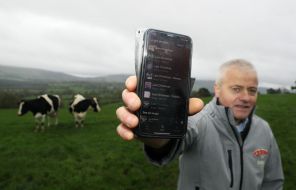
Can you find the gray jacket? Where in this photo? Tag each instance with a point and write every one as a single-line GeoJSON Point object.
{"type": "Point", "coordinates": [213, 156]}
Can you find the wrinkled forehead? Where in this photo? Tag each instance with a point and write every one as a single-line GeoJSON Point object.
{"type": "Point", "coordinates": [240, 76]}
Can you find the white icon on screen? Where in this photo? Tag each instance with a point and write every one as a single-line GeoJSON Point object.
{"type": "Point", "coordinates": [147, 94]}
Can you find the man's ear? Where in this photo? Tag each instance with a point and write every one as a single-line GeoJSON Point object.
{"type": "Point", "coordinates": [217, 90]}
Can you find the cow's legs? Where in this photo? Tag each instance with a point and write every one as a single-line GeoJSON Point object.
{"type": "Point", "coordinates": [48, 121]}
{"type": "Point", "coordinates": [39, 121]}
{"type": "Point", "coordinates": [77, 120]}
{"type": "Point", "coordinates": [56, 119]}
{"type": "Point", "coordinates": [50, 117]}
{"type": "Point", "coordinates": [76, 123]}
{"type": "Point", "coordinates": [42, 122]}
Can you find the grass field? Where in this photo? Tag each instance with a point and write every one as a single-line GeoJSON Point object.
{"type": "Point", "coordinates": [94, 157]}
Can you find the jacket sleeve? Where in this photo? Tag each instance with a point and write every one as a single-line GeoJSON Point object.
{"type": "Point", "coordinates": [273, 172]}
{"type": "Point", "coordinates": [176, 146]}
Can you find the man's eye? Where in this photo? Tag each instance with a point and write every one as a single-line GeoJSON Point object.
{"type": "Point", "coordinates": [236, 90]}
{"type": "Point", "coordinates": [252, 91]}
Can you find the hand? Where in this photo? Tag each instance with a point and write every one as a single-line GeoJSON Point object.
{"type": "Point", "coordinates": [132, 102]}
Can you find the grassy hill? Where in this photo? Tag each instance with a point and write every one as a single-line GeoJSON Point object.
{"type": "Point", "coordinates": [22, 74]}
{"type": "Point", "coordinates": [32, 75]}
{"type": "Point", "coordinates": [94, 157]}
{"type": "Point", "coordinates": [19, 77]}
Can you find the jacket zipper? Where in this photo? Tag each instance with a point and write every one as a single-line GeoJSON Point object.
{"type": "Point", "coordinates": [241, 161]}
{"type": "Point", "coordinates": [241, 158]}
{"type": "Point", "coordinates": [242, 167]}
{"type": "Point", "coordinates": [230, 167]}
{"type": "Point", "coordinates": [241, 152]}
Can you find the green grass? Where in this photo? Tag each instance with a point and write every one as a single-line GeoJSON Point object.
{"type": "Point", "coordinates": [280, 111]}
{"type": "Point", "coordinates": [65, 157]}
{"type": "Point", "coordinates": [94, 157]}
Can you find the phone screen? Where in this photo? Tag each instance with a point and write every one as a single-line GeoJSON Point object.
{"type": "Point", "coordinates": [164, 84]}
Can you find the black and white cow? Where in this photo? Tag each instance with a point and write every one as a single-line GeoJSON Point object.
{"type": "Point", "coordinates": [79, 106]}
{"type": "Point", "coordinates": [41, 107]}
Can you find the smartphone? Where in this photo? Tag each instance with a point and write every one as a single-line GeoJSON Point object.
{"type": "Point", "coordinates": [163, 69]}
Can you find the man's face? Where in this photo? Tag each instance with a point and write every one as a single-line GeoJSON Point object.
{"type": "Point", "coordinates": [238, 91]}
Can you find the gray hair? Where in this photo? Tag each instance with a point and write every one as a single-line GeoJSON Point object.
{"type": "Point", "coordinates": [240, 64]}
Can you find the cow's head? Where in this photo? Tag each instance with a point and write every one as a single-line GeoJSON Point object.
{"type": "Point", "coordinates": [95, 105]}
{"type": "Point", "coordinates": [22, 108]}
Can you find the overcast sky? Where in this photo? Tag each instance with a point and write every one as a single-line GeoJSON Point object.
{"type": "Point", "coordinates": [96, 37]}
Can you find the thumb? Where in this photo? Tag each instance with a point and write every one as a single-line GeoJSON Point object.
{"type": "Point", "coordinates": [195, 105]}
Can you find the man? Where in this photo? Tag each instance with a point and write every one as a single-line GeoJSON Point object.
{"type": "Point", "coordinates": [226, 146]}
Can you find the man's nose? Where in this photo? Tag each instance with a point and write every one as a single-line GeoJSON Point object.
{"type": "Point", "coordinates": [244, 95]}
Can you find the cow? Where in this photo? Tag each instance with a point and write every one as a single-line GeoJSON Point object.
{"type": "Point", "coordinates": [41, 107]}
{"type": "Point", "coordinates": [79, 106]}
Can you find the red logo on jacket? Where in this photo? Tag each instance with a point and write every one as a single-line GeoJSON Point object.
{"type": "Point", "coordinates": [260, 152]}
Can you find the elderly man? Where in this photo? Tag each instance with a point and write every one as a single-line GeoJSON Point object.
{"type": "Point", "coordinates": [226, 145]}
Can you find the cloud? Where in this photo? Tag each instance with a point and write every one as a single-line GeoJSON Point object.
{"type": "Point", "coordinates": [63, 45]}
{"type": "Point", "coordinates": [97, 37]}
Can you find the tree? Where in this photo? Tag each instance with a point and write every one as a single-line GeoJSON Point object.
{"type": "Point", "coordinates": [273, 91]}
{"type": "Point", "coordinates": [293, 87]}
{"type": "Point", "coordinates": [201, 93]}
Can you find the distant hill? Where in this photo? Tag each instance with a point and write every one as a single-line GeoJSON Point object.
{"type": "Point", "coordinates": [21, 77]}
{"type": "Point", "coordinates": [22, 74]}
{"type": "Point", "coordinates": [119, 78]}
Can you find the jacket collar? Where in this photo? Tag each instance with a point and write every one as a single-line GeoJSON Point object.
{"type": "Point", "coordinates": [226, 116]}
{"type": "Point", "coordinates": [224, 113]}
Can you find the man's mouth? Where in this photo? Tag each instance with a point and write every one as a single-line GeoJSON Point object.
{"type": "Point", "coordinates": [242, 106]}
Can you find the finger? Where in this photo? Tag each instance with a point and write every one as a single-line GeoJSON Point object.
{"type": "Point", "coordinates": [131, 100]}
{"type": "Point", "coordinates": [128, 119]}
{"type": "Point", "coordinates": [195, 106]}
{"type": "Point", "coordinates": [131, 83]}
{"type": "Point", "coordinates": [124, 132]}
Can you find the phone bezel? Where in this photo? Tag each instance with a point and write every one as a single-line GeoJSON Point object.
{"type": "Point", "coordinates": [141, 52]}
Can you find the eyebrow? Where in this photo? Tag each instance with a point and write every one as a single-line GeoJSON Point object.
{"type": "Point", "coordinates": [236, 85]}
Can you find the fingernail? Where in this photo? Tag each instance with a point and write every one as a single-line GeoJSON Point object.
{"type": "Point", "coordinates": [129, 135]}
{"type": "Point", "coordinates": [129, 121]}
{"type": "Point", "coordinates": [123, 94]}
